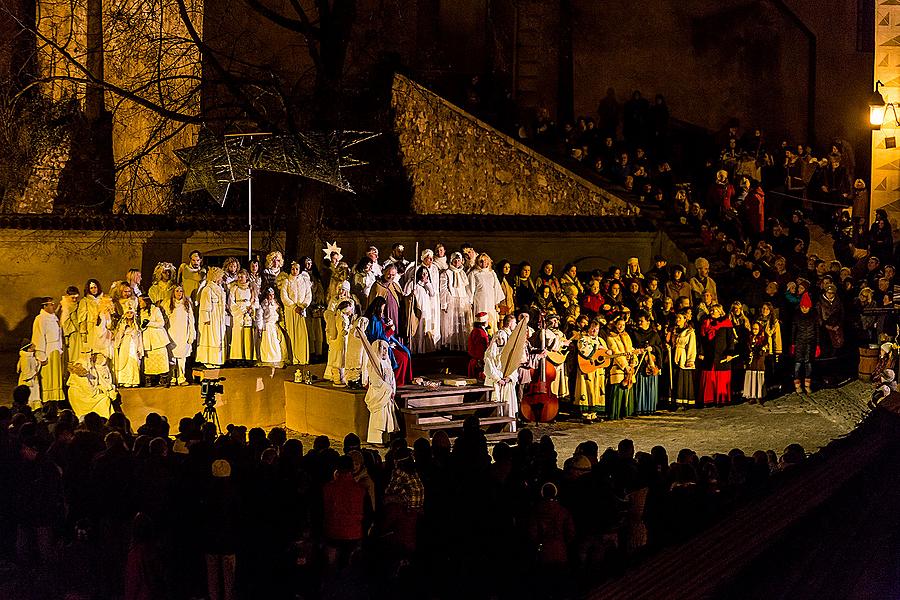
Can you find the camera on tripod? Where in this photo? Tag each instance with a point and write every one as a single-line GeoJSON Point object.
{"type": "Point", "coordinates": [209, 388]}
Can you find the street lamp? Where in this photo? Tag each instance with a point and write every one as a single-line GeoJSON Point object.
{"type": "Point", "coordinates": [877, 108]}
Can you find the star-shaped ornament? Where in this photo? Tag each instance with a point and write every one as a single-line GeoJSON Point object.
{"type": "Point", "coordinates": [332, 247]}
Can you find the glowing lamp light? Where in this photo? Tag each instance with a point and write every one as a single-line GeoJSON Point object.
{"type": "Point", "coordinates": [877, 108]}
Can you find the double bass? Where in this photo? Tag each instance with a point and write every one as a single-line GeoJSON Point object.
{"type": "Point", "coordinates": [539, 404]}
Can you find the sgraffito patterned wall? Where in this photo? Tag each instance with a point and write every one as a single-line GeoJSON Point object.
{"type": "Point", "coordinates": [885, 190]}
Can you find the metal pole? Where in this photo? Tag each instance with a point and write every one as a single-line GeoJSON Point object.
{"type": "Point", "coordinates": [249, 215]}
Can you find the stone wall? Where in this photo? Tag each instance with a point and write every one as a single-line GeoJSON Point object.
{"type": "Point", "coordinates": [458, 164]}
{"type": "Point", "coordinates": [43, 182]}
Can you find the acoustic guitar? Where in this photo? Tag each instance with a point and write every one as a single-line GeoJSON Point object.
{"type": "Point", "coordinates": [557, 358]}
{"type": "Point", "coordinates": [600, 359]}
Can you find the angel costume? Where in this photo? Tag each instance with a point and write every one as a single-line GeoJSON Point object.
{"type": "Point", "coordinates": [211, 349]}
{"type": "Point", "coordinates": [156, 341]}
{"type": "Point", "coordinates": [89, 393]}
{"type": "Point", "coordinates": [428, 332]}
{"type": "Point", "coordinates": [101, 337]}
{"type": "Point", "coordinates": [337, 330]}
{"type": "Point", "coordinates": [271, 343]}
{"type": "Point", "coordinates": [380, 395]}
{"type": "Point", "coordinates": [68, 320]}
{"type": "Point", "coordinates": [296, 295]}
{"type": "Point", "coordinates": [29, 370]}
{"type": "Point", "coordinates": [88, 315]}
{"type": "Point", "coordinates": [243, 312]}
{"type": "Point", "coordinates": [357, 359]}
{"type": "Point", "coordinates": [456, 306]}
{"type": "Point", "coordinates": [183, 335]}
{"type": "Point", "coordinates": [486, 294]}
{"type": "Point", "coordinates": [129, 351]}
{"type": "Point", "coordinates": [47, 337]}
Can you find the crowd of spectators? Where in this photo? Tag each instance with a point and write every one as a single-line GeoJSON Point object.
{"type": "Point", "coordinates": [93, 509]}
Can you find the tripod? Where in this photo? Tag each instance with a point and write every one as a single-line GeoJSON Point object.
{"type": "Point", "coordinates": [210, 414]}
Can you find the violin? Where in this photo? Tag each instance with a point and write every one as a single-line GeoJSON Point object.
{"type": "Point", "coordinates": [539, 404]}
{"type": "Point", "coordinates": [652, 369]}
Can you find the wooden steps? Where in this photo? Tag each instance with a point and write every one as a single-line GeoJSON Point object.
{"type": "Point", "coordinates": [445, 408]}
{"type": "Point", "coordinates": [462, 407]}
{"type": "Point", "coordinates": [445, 423]}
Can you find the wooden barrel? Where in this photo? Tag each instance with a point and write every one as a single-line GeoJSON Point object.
{"type": "Point", "coordinates": [868, 358]}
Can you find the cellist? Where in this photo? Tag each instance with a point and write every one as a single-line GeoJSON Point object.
{"type": "Point", "coordinates": [621, 372]}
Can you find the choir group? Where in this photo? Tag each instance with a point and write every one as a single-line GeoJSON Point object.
{"type": "Point", "coordinates": [620, 340]}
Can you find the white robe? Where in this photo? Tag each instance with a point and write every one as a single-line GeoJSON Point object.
{"type": "Point", "coordinates": [211, 348]}
{"type": "Point", "coordinates": [271, 342]}
{"type": "Point", "coordinates": [380, 401]}
{"type": "Point", "coordinates": [190, 279]}
{"type": "Point", "coordinates": [296, 293]}
{"type": "Point", "coordinates": [29, 370]}
{"type": "Point", "coordinates": [486, 294]}
{"type": "Point", "coordinates": [47, 337]}
{"type": "Point", "coordinates": [90, 394]}
{"type": "Point", "coordinates": [243, 318]}
{"type": "Point", "coordinates": [505, 394]}
{"type": "Point", "coordinates": [102, 337]}
{"type": "Point", "coordinates": [456, 307]}
{"type": "Point", "coordinates": [357, 359]}
{"type": "Point", "coordinates": [156, 341]}
{"type": "Point", "coordinates": [337, 330]}
{"type": "Point", "coordinates": [428, 333]}
{"type": "Point", "coordinates": [88, 312]}
{"type": "Point", "coordinates": [68, 321]}
{"type": "Point", "coordinates": [182, 331]}
{"type": "Point", "coordinates": [129, 352]}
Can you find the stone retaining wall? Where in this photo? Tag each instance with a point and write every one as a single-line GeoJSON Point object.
{"type": "Point", "coordinates": [458, 164]}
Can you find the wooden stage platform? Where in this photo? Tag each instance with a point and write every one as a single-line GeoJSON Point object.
{"type": "Point", "coordinates": [266, 397]}
{"type": "Point", "coordinates": [254, 397]}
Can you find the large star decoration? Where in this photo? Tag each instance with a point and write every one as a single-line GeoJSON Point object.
{"type": "Point", "coordinates": [214, 163]}
{"type": "Point", "coordinates": [332, 247]}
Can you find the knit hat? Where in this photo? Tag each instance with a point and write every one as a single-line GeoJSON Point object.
{"type": "Point", "coordinates": [221, 468]}
{"type": "Point", "coordinates": [481, 317]}
{"type": "Point", "coordinates": [581, 463]}
{"type": "Point", "coordinates": [805, 301]}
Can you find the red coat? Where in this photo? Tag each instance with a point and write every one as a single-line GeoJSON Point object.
{"type": "Point", "coordinates": [720, 196]}
{"type": "Point", "coordinates": [592, 303]}
{"type": "Point", "coordinates": [755, 208]}
{"type": "Point", "coordinates": [476, 346]}
{"type": "Point", "coordinates": [343, 499]}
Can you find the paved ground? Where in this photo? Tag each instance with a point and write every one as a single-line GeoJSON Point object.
{"type": "Point", "coordinates": [811, 421]}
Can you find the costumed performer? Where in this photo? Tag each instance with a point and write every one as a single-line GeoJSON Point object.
{"type": "Point", "coordinates": [296, 296]}
{"type": "Point", "coordinates": [381, 328]}
{"type": "Point", "coordinates": [211, 321]}
{"type": "Point", "coordinates": [477, 345]}
{"type": "Point", "coordinates": [47, 337]}
{"type": "Point", "coordinates": [382, 390]}
{"type": "Point", "coordinates": [156, 343]}
{"type": "Point", "coordinates": [243, 307]}
{"type": "Point", "coordinates": [28, 370]}
{"type": "Point", "coordinates": [181, 331]}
